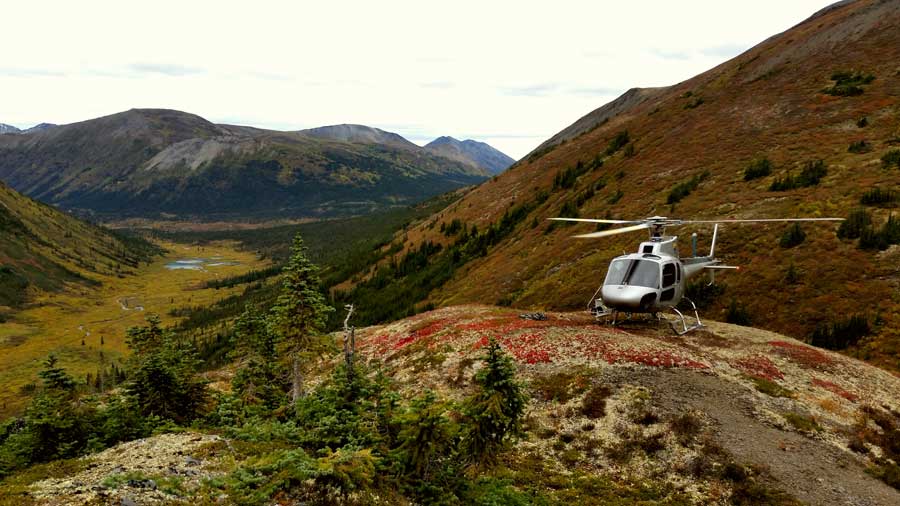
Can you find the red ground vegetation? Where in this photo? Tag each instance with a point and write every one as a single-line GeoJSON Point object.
{"type": "Point", "coordinates": [835, 389]}
{"type": "Point", "coordinates": [758, 366]}
{"type": "Point", "coordinates": [801, 354]}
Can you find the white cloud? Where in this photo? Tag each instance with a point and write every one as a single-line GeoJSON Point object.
{"type": "Point", "coordinates": [510, 73]}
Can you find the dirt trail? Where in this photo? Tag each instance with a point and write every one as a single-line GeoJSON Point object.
{"type": "Point", "coordinates": [814, 471]}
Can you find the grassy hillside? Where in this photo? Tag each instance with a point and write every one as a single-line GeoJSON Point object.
{"type": "Point", "coordinates": [161, 163]}
{"type": "Point", "coordinates": [743, 140]}
{"type": "Point", "coordinates": [42, 249]}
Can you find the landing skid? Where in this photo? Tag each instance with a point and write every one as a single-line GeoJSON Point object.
{"type": "Point", "coordinates": [680, 326]}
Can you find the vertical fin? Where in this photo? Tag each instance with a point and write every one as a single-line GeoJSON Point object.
{"type": "Point", "coordinates": [712, 247]}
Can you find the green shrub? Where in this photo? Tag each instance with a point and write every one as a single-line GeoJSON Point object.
{"type": "Point", "coordinates": [560, 386]}
{"type": "Point", "coordinates": [848, 83]}
{"type": "Point", "coordinates": [890, 158]}
{"type": "Point", "coordinates": [757, 169]}
{"type": "Point", "coordinates": [802, 423]}
{"type": "Point", "coordinates": [488, 491]}
{"type": "Point", "coordinates": [811, 174]}
{"type": "Point", "coordinates": [737, 314]}
{"type": "Point", "coordinates": [862, 122]}
{"type": "Point", "coordinates": [618, 142]}
{"type": "Point", "coordinates": [841, 334]}
{"type": "Point", "coordinates": [859, 147]}
{"type": "Point", "coordinates": [567, 178]}
{"type": "Point", "coordinates": [694, 103]}
{"type": "Point", "coordinates": [879, 197]}
{"type": "Point", "coordinates": [793, 236]}
{"type": "Point", "coordinates": [686, 427]}
{"type": "Point", "coordinates": [857, 221]}
{"type": "Point", "coordinates": [685, 188]}
{"type": "Point", "coordinates": [771, 388]}
{"type": "Point", "coordinates": [615, 197]}
{"type": "Point", "coordinates": [594, 403]}
{"type": "Point", "coordinates": [792, 275]}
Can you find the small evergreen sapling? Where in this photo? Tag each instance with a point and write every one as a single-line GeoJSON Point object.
{"type": "Point", "coordinates": [495, 412]}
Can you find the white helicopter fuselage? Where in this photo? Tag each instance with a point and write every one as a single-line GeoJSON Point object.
{"type": "Point", "coordinates": [653, 279]}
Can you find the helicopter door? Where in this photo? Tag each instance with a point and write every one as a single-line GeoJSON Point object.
{"type": "Point", "coordinates": [669, 279]}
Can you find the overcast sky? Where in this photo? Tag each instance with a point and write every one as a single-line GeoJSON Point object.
{"type": "Point", "coordinates": [508, 73]}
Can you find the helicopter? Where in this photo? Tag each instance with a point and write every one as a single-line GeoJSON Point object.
{"type": "Point", "coordinates": [654, 279]}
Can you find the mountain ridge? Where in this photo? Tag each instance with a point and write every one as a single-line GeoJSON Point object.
{"type": "Point", "coordinates": [476, 153]}
{"type": "Point", "coordinates": [160, 162]}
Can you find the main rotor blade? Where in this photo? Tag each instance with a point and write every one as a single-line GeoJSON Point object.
{"type": "Point", "coordinates": [614, 231]}
{"type": "Point", "coordinates": [761, 220]}
{"type": "Point", "coordinates": [592, 220]}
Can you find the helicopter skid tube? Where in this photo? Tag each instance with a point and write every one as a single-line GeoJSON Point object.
{"type": "Point", "coordinates": [685, 328]}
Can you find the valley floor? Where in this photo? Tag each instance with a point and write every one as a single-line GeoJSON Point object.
{"type": "Point", "coordinates": [85, 326]}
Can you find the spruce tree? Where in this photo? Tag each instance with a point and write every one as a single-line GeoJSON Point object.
{"type": "Point", "coordinates": [300, 312]}
{"type": "Point", "coordinates": [495, 412]}
{"type": "Point", "coordinates": [56, 378]}
{"type": "Point", "coordinates": [258, 382]}
{"type": "Point", "coordinates": [162, 380]}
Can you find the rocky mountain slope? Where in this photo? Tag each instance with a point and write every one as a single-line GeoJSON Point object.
{"type": "Point", "coordinates": [477, 154]}
{"type": "Point", "coordinates": [42, 248]}
{"type": "Point", "coordinates": [8, 129]}
{"type": "Point", "coordinates": [742, 140]}
{"type": "Point", "coordinates": [150, 162]}
{"type": "Point", "coordinates": [726, 415]}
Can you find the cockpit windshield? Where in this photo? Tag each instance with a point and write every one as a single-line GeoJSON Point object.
{"type": "Point", "coordinates": [633, 272]}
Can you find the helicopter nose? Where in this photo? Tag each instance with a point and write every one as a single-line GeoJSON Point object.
{"type": "Point", "coordinates": [624, 297]}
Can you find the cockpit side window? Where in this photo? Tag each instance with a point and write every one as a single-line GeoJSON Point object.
{"type": "Point", "coordinates": [668, 277]}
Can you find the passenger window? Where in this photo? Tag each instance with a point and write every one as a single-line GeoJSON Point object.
{"type": "Point", "coordinates": [668, 275]}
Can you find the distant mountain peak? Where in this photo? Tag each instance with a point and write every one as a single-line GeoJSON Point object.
{"type": "Point", "coordinates": [39, 127]}
{"type": "Point", "coordinates": [475, 153]}
{"type": "Point", "coordinates": [8, 129]}
{"type": "Point", "coordinates": [444, 139]}
{"type": "Point", "coordinates": [348, 132]}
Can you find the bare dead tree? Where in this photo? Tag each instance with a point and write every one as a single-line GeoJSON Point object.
{"type": "Point", "coordinates": [349, 342]}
